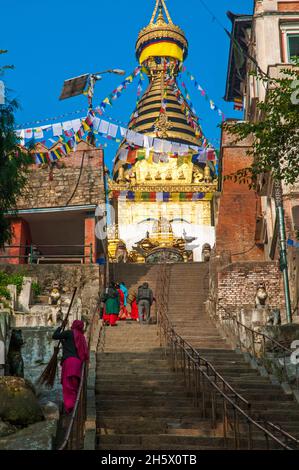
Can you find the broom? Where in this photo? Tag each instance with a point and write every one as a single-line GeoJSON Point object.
{"type": "Point", "coordinates": [47, 378]}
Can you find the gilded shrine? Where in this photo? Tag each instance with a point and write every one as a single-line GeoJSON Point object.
{"type": "Point", "coordinates": [162, 189]}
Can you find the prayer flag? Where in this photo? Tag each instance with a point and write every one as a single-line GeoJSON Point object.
{"type": "Point", "coordinates": [104, 126]}
{"type": "Point", "coordinates": [57, 129]}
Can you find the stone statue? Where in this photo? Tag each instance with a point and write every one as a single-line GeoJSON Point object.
{"type": "Point", "coordinates": [55, 295]}
{"type": "Point", "coordinates": [121, 254]}
{"type": "Point", "coordinates": [206, 252]}
{"type": "Point", "coordinates": [274, 317]}
{"type": "Point", "coordinates": [15, 363]}
{"type": "Point", "coordinates": [261, 296]}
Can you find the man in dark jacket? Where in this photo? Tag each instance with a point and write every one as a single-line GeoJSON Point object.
{"type": "Point", "coordinates": [144, 300]}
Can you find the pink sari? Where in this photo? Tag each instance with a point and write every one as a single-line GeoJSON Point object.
{"type": "Point", "coordinates": [72, 367]}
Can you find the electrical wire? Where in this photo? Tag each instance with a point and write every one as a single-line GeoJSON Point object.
{"type": "Point", "coordinates": [78, 180]}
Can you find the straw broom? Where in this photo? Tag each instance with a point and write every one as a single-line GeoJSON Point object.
{"type": "Point", "coordinates": [48, 376]}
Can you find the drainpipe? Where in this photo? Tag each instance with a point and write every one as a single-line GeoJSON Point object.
{"type": "Point", "coordinates": [283, 261]}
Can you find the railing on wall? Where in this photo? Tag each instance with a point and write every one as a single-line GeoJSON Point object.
{"type": "Point", "coordinates": [266, 351]}
{"type": "Point", "coordinates": [73, 435]}
{"type": "Point", "coordinates": [33, 254]}
{"type": "Point", "coordinates": [228, 413]}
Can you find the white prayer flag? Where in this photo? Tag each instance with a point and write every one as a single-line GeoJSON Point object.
{"type": "Point", "coordinates": [148, 141]}
{"type": "Point", "coordinates": [123, 154]}
{"type": "Point", "coordinates": [57, 129]}
{"type": "Point", "coordinates": [158, 145]}
{"type": "Point", "coordinates": [96, 123]}
{"type": "Point", "coordinates": [67, 126]}
{"type": "Point", "coordinates": [28, 134]}
{"type": "Point", "coordinates": [21, 135]}
{"type": "Point", "coordinates": [175, 147]}
{"type": "Point", "coordinates": [112, 131]}
{"type": "Point", "coordinates": [104, 126]}
{"type": "Point", "coordinates": [76, 124]}
{"type": "Point", "coordinates": [38, 133]}
{"type": "Point", "coordinates": [166, 146]}
{"type": "Point", "coordinates": [159, 197]}
{"type": "Point", "coordinates": [139, 139]}
{"type": "Point", "coordinates": [130, 136]}
{"type": "Point", "coordinates": [123, 131]}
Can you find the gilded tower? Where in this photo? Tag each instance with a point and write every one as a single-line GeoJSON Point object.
{"type": "Point", "coordinates": [161, 189]}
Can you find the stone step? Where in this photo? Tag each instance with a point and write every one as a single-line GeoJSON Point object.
{"type": "Point", "coordinates": [164, 442]}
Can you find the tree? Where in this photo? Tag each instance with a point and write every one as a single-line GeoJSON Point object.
{"type": "Point", "coordinates": [275, 146]}
{"type": "Point", "coordinates": [14, 162]}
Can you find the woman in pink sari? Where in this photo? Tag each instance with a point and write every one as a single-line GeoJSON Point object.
{"type": "Point", "coordinates": [74, 354]}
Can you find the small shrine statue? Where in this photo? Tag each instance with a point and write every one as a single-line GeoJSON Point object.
{"type": "Point", "coordinates": [198, 174]}
{"type": "Point", "coordinates": [55, 295]}
{"type": "Point", "coordinates": [121, 175]}
{"type": "Point", "coordinates": [158, 176]}
{"type": "Point", "coordinates": [261, 296]}
{"type": "Point", "coordinates": [148, 176]}
{"type": "Point", "coordinates": [168, 175]}
{"type": "Point", "coordinates": [132, 178]}
{"type": "Point", "coordinates": [181, 175]}
{"type": "Point", "coordinates": [207, 174]}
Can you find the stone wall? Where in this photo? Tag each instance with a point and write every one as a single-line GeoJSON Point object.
{"type": "Point", "coordinates": [86, 277]}
{"type": "Point", "coordinates": [233, 286]}
{"type": "Point", "coordinates": [53, 187]}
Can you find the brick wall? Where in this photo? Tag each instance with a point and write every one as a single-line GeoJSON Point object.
{"type": "Point", "coordinates": [234, 286]}
{"type": "Point", "coordinates": [53, 188]}
{"type": "Point", "coordinates": [238, 205]}
{"type": "Point", "coordinates": [288, 6]}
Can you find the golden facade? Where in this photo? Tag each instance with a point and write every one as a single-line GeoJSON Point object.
{"type": "Point", "coordinates": [161, 113]}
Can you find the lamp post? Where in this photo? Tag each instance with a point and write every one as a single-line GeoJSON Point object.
{"type": "Point", "coordinates": [283, 261]}
{"type": "Point", "coordinates": [77, 85]}
{"type": "Point", "coordinates": [94, 77]}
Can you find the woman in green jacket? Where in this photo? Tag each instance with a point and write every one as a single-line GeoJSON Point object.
{"type": "Point", "coordinates": [112, 305]}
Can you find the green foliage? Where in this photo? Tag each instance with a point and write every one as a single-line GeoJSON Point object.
{"type": "Point", "coordinates": [4, 293]}
{"type": "Point", "coordinates": [36, 289]}
{"type": "Point", "coordinates": [14, 163]}
{"type": "Point", "coordinates": [275, 135]}
{"type": "Point", "coordinates": [15, 279]}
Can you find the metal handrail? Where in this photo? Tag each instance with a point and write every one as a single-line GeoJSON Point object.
{"type": "Point", "coordinates": [191, 362]}
{"type": "Point", "coordinates": [73, 438]}
{"type": "Point", "coordinates": [252, 340]}
{"type": "Point", "coordinates": [30, 255]}
{"type": "Point", "coordinates": [257, 333]}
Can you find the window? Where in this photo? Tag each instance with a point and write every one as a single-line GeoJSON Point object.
{"type": "Point", "coordinates": [289, 40]}
{"type": "Point", "coordinates": [293, 46]}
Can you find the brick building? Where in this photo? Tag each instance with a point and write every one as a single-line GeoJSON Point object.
{"type": "Point", "coordinates": [55, 221]}
{"type": "Point", "coordinates": [247, 223]}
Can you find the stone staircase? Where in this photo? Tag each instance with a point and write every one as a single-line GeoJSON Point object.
{"type": "Point", "coordinates": [142, 404]}
{"type": "Point", "coordinates": [188, 315]}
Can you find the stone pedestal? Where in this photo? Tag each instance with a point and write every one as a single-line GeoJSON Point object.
{"type": "Point", "coordinates": [25, 295]}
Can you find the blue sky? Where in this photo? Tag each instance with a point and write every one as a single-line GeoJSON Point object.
{"type": "Point", "coordinates": [51, 41]}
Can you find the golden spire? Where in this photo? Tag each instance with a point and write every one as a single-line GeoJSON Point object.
{"type": "Point", "coordinates": [160, 20]}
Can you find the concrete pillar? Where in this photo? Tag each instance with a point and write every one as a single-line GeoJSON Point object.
{"type": "Point", "coordinates": [90, 239]}
{"type": "Point", "coordinates": [20, 238]}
